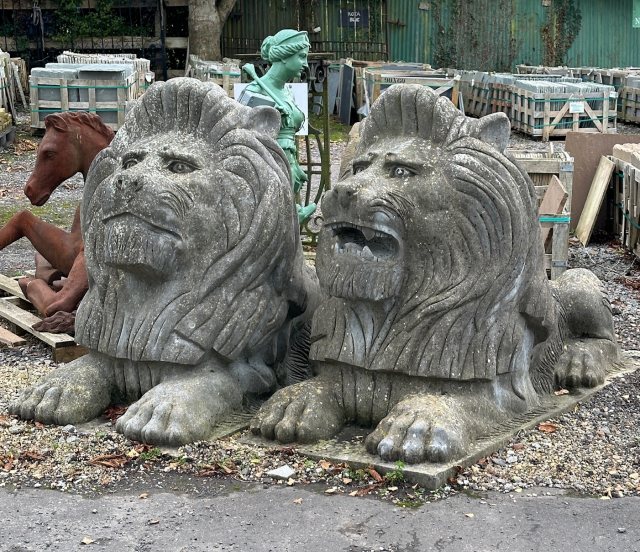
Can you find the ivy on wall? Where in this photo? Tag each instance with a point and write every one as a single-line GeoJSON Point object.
{"type": "Point", "coordinates": [473, 34]}
{"type": "Point", "coordinates": [562, 26]}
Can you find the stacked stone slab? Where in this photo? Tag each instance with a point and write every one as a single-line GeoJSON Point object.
{"type": "Point", "coordinates": [101, 88]}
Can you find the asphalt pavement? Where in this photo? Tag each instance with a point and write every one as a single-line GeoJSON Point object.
{"type": "Point", "coordinates": [242, 517]}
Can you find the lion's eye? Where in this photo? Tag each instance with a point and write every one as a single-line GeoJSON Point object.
{"type": "Point", "coordinates": [358, 168]}
{"type": "Point", "coordinates": [128, 163]}
{"type": "Point", "coordinates": [181, 167]}
{"type": "Point", "coordinates": [401, 172]}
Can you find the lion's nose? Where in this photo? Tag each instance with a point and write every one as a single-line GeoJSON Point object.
{"type": "Point", "coordinates": [128, 184]}
{"type": "Point", "coordinates": [346, 193]}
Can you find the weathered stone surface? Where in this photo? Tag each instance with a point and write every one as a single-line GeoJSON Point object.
{"type": "Point", "coordinates": [441, 324]}
{"type": "Point", "coordinates": [195, 268]}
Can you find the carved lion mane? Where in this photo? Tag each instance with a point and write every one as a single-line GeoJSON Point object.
{"type": "Point", "coordinates": [231, 293]}
{"type": "Point", "coordinates": [470, 269]}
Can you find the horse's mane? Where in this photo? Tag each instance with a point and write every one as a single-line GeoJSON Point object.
{"type": "Point", "coordinates": [62, 122]}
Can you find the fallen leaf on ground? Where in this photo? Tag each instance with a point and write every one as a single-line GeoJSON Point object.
{"type": "Point", "coordinates": [87, 540]}
{"type": "Point", "coordinates": [154, 521]}
{"type": "Point", "coordinates": [144, 495]}
{"type": "Point", "coordinates": [470, 515]}
{"type": "Point", "coordinates": [332, 490]}
{"type": "Point", "coordinates": [561, 392]}
{"type": "Point", "coordinates": [373, 473]}
{"type": "Point", "coordinates": [324, 464]}
{"type": "Point", "coordinates": [32, 455]}
{"type": "Point", "coordinates": [297, 501]}
{"type": "Point", "coordinates": [547, 427]}
{"type": "Point", "coordinates": [109, 460]}
{"type": "Point", "coordinates": [114, 412]}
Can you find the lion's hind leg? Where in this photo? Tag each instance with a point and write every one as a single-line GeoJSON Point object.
{"type": "Point", "coordinates": [587, 330]}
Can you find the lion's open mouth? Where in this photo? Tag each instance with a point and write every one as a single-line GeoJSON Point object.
{"type": "Point", "coordinates": [373, 244]}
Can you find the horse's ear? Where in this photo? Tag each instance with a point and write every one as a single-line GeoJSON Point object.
{"type": "Point", "coordinates": [56, 121]}
{"type": "Point", "coordinates": [264, 119]}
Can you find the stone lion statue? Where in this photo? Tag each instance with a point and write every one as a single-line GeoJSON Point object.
{"type": "Point", "coordinates": [440, 323]}
{"type": "Point", "coordinates": [195, 267]}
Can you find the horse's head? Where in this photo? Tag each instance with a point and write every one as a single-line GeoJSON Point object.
{"type": "Point", "coordinates": [71, 141]}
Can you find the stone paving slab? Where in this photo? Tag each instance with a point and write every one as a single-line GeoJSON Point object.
{"type": "Point", "coordinates": [348, 446]}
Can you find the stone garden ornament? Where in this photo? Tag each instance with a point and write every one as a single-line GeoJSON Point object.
{"type": "Point", "coordinates": [440, 323]}
{"type": "Point", "coordinates": [287, 52]}
{"type": "Point", "coordinates": [195, 269]}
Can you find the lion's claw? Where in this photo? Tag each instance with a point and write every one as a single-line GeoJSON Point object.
{"type": "Point", "coordinates": [304, 412]}
{"type": "Point", "coordinates": [418, 429]}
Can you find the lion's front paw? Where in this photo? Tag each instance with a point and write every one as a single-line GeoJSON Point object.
{"type": "Point", "coordinates": [182, 410]}
{"type": "Point", "coordinates": [304, 412]}
{"type": "Point", "coordinates": [421, 428]}
{"type": "Point", "coordinates": [584, 363]}
{"type": "Point", "coordinates": [71, 394]}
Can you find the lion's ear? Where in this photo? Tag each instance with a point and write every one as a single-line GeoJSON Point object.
{"type": "Point", "coordinates": [494, 129]}
{"type": "Point", "coordinates": [264, 119]}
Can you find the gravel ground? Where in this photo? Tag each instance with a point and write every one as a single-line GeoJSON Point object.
{"type": "Point", "coordinates": [594, 450]}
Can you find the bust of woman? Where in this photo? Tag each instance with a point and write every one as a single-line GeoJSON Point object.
{"type": "Point", "coordinates": [287, 52]}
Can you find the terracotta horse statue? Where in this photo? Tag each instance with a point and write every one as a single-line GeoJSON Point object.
{"type": "Point", "coordinates": [70, 143]}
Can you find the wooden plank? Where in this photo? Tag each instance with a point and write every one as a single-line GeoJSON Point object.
{"type": "Point", "coordinates": [554, 198]}
{"type": "Point", "coordinates": [594, 199]}
{"type": "Point", "coordinates": [26, 320]}
{"type": "Point", "coordinates": [10, 339]}
{"type": "Point", "coordinates": [552, 203]}
{"type": "Point", "coordinates": [559, 250]}
{"type": "Point", "coordinates": [11, 286]}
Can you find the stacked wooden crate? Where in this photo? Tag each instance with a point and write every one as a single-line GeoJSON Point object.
{"type": "Point", "coordinates": [625, 81]}
{"type": "Point", "coordinates": [64, 87]}
{"type": "Point", "coordinates": [378, 79]}
{"type": "Point", "coordinates": [224, 73]}
{"type": "Point", "coordinates": [552, 176]}
{"type": "Point", "coordinates": [626, 189]}
{"type": "Point", "coordinates": [142, 66]}
{"type": "Point", "coordinates": [550, 109]}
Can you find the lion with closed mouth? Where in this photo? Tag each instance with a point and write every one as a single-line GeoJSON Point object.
{"type": "Point", "coordinates": [440, 323]}
{"type": "Point", "coordinates": [195, 267]}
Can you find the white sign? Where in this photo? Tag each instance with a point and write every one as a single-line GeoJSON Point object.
{"type": "Point", "coordinates": [576, 107]}
{"type": "Point", "coordinates": [300, 93]}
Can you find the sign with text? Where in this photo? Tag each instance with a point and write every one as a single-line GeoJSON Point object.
{"type": "Point", "coordinates": [354, 18]}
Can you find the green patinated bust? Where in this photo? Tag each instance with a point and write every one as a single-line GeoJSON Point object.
{"type": "Point", "coordinates": [287, 52]}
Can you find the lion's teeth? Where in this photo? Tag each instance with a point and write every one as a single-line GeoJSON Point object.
{"type": "Point", "coordinates": [366, 252]}
{"type": "Point", "coordinates": [369, 233]}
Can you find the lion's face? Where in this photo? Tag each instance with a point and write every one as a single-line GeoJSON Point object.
{"type": "Point", "coordinates": [426, 252]}
{"type": "Point", "coordinates": [162, 207]}
{"type": "Point", "coordinates": [396, 212]}
{"type": "Point", "coordinates": [190, 230]}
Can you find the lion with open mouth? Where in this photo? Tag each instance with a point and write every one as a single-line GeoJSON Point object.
{"type": "Point", "coordinates": [440, 323]}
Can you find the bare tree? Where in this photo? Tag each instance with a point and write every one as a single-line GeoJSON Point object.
{"type": "Point", "coordinates": [206, 20]}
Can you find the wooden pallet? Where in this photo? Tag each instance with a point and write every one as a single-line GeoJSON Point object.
{"type": "Point", "coordinates": [18, 311]}
{"type": "Point", "coordinates": [547, 115]}
{"type": "Point", "coordinates": [80, 95]}
{"type": "Point", "coordinates": [626, 210]}
{"type": "Point", "coordinates": [629, 105]}
{"type": "Point", "coordinates": [542, 167]}
{"type": "Point", "coordinates": [7, 136]}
